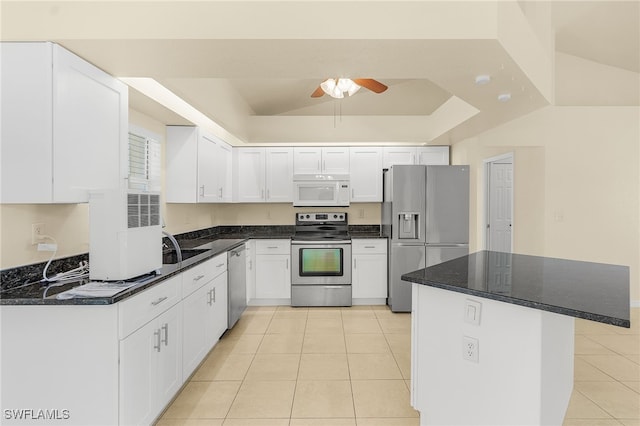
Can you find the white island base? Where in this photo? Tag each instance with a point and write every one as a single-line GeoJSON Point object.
{"type": "Point", "coordinates": [524, 372]}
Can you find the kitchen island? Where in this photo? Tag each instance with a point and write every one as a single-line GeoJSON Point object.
{"type": "Point", "coordinates": [492, 335]}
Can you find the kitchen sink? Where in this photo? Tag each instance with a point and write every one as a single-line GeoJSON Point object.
{"type": "Point", "coordinates": [171, 257]}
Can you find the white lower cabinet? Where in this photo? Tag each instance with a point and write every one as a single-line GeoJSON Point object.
{"type": "Point", "coordinates": [369, 271]}
{"type": "Point", "coordinates": [150, 368]}
{"type": "Point", "coordinates": [205, 320]}
{"type": "Point", "coordinates": [272, 272]}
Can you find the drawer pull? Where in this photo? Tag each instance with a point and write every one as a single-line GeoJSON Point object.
{"type": "Point", "coordinates": [369, 246]}
{"type": "Point", "coordinates": [165, 327]}
{"type": "Point", "coordinates": [214, 294]}
{"type": "Point", "coordinates": [198, 278]}
{"type": "Point", "coordinates": [157, 345]}
{"type": "Point", "coordinates": [220, 265]}
{"type": "Point", "coordinates": [159, 301]}
{"type": "Point", "coordinates": [272, 247]}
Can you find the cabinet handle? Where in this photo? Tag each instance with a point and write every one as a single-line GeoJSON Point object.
{"type": "Point", "coordinates": [220, 192]}
{"type": "Point", "coordinates": [353, 193]}
{"type": "Point", "coordinates": [369, 246]}
{"type": "Point", "coordinates": [268, 194]}
{"type": "Point", "coordinates": [354, 263]}
{"type": "Point", "coordinates": [198, 278]}
{"type": "Point", "coordinates": [209, 297]}
{"type": "Point", "coordinates": [214, 295]}
{"type": "Point", "coordinates": [159, 301]}
{"type": "Point", "coordinates": [287, 264]}
{"type": "Point", "coordinates": [220, 265]}
{"type": "Point", "coordinates": [202, 191]}
{"type": "Point", "coordinates": [250, 264]}
{"type": "Point", "coordinates": [157, 345]}
{"type": "Point", "coordinates": [324, 165]}
{"type": "Point", "coordinates": [165, 327]}
{"type": "Point", "coordinates": [272, 247]}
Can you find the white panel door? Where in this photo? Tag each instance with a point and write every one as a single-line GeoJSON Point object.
{"type": "Point", "coordinates": [335, 160]}
{"type": "Point", "coordinates": [279, 175]}
{"type": "Point", "coordinates": [208, 187]}
{"type": "Point", "coordinates": [398, 155]}
{"type": "Point", "coordinates": [366, 174]}
{"type": "Point", "coordinates": [90, 128]}
{"type": "Point", "coordinates": [249, 175]}
{"type": "Point", "coordinates": [433, 155]}
{"type": "Point", "coordinates": [307, 160]}
{"type": "Point", "coordinates": [500, 205]}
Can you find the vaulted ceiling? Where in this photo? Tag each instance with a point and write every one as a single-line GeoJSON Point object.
{"type": "Point", "coordinates": [250, 66]}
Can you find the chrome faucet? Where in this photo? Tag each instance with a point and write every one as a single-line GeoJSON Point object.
{"type": "Point", "coordinates": [175, 245]}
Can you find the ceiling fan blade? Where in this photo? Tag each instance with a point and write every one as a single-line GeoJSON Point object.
{"type": "Point", "coordinates": [317, 93]}
{"type": "Point", "coordinates": [371, 84]}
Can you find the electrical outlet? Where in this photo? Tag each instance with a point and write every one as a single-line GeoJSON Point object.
{"type": "Point", "coordinates": [470, 349]}
{"type": "Point", "coordinates": [37, 233]}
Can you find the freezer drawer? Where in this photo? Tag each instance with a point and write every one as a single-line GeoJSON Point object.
{"type": "Point", "coordinates": [403, 259]}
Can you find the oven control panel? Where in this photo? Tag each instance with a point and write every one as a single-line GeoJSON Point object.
{"type": "Point", "coordinates": [336, 217]}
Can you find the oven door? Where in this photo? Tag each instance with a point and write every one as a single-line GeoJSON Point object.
{"type": "Point", "coordinates": [320, 263]}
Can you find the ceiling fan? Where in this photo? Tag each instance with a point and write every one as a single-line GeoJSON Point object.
{"type": "Point", "coordinates": [337, 87]}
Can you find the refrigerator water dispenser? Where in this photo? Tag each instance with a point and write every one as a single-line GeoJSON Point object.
{"type": "Point", "coordinates": [408, 225]}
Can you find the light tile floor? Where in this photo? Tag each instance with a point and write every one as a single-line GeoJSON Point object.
{"type": "Point", "coordinates": [351, 367]}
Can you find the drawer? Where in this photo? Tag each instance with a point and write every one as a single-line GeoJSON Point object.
{"type": "Point", "coordinates": [273, 246]}
{"type": "Point", "coordinates": [138, 310]}
{"type": "Point", "coordinates": [369, 246]}
{"type": "Point", "coordinates": [217, 265]}
{"type": "Point", "coordinates": [195, 277]}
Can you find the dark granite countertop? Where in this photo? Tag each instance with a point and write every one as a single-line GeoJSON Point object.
{"type": "Point", "coordinates": [22, 285]}
{"type": "Point", "coordinates": [593, 291]}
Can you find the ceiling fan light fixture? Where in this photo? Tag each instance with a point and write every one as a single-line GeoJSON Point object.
{"type": "Point", "coordinates": [337, 87]}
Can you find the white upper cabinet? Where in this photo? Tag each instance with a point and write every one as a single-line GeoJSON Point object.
{"type": "Point", "coordinates": [366, 174]}
{"type": "Point", "coordinates": [427, 155]}
{"type": "Point", "coordinates": [64, 125]}
{"type": "Point", "coordinates": [263, 175]}
{"type": "Point", "coordinates": [279, 175]}
{"type": "Point", "coordinates": [433, 155]}
{"type": "Point", "coordinates": [198, 166]}
{"type": "Point", "coordinates": [312, 160]}
{"type": "Point", "coordinates": [398, 155]}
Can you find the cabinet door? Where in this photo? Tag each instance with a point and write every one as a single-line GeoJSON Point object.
{"type": "Point", "coordinates": [27, 122]}
{"type": "Point", "coordinates": [208, 186]}
{"type": "Point", "coordinates": [398, 155]}
{"type": "Point", "coordinates": [138, 380]}
{"type": "Point", "coordinates": [169, 365]}
{"type": "Point", "coordinates": [307, 160]}
{"type": "Point", "coordinates": [279, 175]}
{"type": "Point", "coordinates": [181, 164]}
{"type": "Point", "coordinates": [335, 160]}
{"type": "Point", "coordinates": [273, 276]}
{"type": "Point", "coordinates": [194, 337]}
{"type": "Point", "coordinates": [366, 174]}
{"type": "Point", "coordinates": [249, 175]}
{"type": "Point", "coordinates": [433, 155]}
{"type": "Point", "coordinates": [224, 169]}
{"type": "Point", "coordinates": [369, 276]}
{"type": "Point", "coordinates": [217, 309]}
{"type": "Point", "coordinates": [90, 123]}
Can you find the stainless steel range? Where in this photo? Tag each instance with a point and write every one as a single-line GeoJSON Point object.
{"type": "Point", "coordinates": [321, 260]}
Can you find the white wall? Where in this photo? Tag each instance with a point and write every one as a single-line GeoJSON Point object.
{"type": "Point", "coordinates": [576, 184]}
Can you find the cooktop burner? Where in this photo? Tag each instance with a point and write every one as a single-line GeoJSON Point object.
{"type": "Point", "coordinates": [321, 226]}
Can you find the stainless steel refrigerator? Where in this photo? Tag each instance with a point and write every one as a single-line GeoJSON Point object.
{"type": "Point", "coordinates": [425, 215]}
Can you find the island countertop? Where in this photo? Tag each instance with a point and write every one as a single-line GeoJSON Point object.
{"type": "Point", "coordinates": [593, 291]}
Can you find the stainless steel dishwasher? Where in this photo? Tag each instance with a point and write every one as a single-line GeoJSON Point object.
{"type": "Point", "coordinates": [237, 284]}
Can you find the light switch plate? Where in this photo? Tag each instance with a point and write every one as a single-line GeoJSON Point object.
{"type": "Point", "coordinates": [472, 310]}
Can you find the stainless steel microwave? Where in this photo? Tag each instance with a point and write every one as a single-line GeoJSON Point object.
{"type": "Point", "coordinates": [321, 190]}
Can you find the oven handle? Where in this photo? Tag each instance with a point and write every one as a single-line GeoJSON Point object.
{"type": "Point", "coordinates": [325, 242]}
{"type": "Point", "coordinates": [333, 286]}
